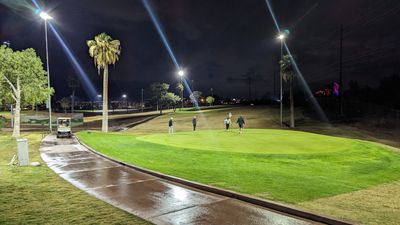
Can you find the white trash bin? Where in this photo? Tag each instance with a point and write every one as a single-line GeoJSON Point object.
{"type": "Point", "coordinates": [23, 155]}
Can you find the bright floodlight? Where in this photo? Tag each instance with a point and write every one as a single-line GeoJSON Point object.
{"type": "Point", "coordinates": [99, 96]}
{"type": "Point", "coordinates": [45, 16]}
{"type": "Point", "coordinates": [181, 73]}
{"type": "Point", "coordinates": [281, 36]}
{"type": "Point", "coordinates": [124, 95]}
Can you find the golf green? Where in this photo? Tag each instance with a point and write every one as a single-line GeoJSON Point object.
{"type": "Point", "coordinates": [288, 166]}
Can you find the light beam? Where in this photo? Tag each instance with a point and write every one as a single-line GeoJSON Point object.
{"type": "Point", "coordinates": [303, 82]}
{"type": "Point", "coordinates": [164, 39]}
{"type": "Point", "coordinates": [160, 31]}
{"type": "Point", "coordinates": [83, 77]}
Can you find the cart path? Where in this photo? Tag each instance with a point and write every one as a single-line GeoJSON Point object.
{"type": "Point", "coordinates": [149, 197]}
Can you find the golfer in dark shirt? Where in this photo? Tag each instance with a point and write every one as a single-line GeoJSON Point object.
{"type": "Point", "coordinates": [240, 122]}
{"type": "Point", "coordinates": [194, 122]}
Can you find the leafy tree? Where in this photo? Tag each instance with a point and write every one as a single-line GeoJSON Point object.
{"type": "Point", "coordinates": [288, 75]}
{"type": "Point", "coordinates": [105, 51]}
{"type": "Point", "coordinates": [20, 71]}
{"type": "Point", "coordinates": [170, 99]}
{"type": "Point", "coordinates": [180, 89]}
{"type": "Point", "coordinates": [157, 92]}
{"type": "Point", "coordinates": [210, 100]}
{"type": "Point", "coordinates": [194, 97]}
{"type": "Point", "coordinates": [73, 83]}
{"type": "Point", "coordinates": [36, 93]}
{"type": "Point", "coordinates": [65, 103]}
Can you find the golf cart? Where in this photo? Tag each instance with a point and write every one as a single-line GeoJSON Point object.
{"type": "Point", "coordinates": [64, 127]}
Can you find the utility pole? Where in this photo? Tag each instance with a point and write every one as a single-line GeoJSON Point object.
{"type": "Point", "coordinates": [281, 85]}
{"type": "Point", "coordinates": [142, 105]}
{"type": "Point", "coordinates": [48, 76]}
{"type": "Point", "coordinates": [274, 82]}
{"type": "Point", "coordinates": [341, 72]}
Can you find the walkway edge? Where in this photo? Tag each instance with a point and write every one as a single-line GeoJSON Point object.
{"type": "Point", "coordinates": [231, 194]}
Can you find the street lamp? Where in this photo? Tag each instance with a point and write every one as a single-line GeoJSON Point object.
{"type": "Point", "coordinates": [181, 73]}
{"type": "Point", "coordinates": [124, 96]}
{"type": "Point", "coordinates": [47, 17]}
{"type": "Point", "coordinates": [281, 37]}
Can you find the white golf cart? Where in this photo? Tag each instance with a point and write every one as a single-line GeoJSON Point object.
{"type": "Point", "coordinates": [64, 127]}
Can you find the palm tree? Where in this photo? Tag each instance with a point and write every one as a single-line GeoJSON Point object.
{"type": "Point", "coordinates": [105, 51]}
{"type": "Point", "coordinates": [288, 75]}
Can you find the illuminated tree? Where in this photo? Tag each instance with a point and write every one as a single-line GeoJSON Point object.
{"type": "Point", "coordinates": [194, 97]}
{"type": "Point", "coordinates": [170, 99]}
{"type": "Point", "coordinates": [104, 51]}
{"type": "Point", "coordinates": [65, 103]}
{"type": "Point", "coordinates": [180, 89]}
{"type": "Point", "coordinates": [22, 80]}
{"type": "Point", "coordinates": [157, 92]}
{"type": "Point", "coordinates": [210, 100]}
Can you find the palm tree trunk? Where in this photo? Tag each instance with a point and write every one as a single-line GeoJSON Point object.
{"type": "Point", "coordinates": [104, 127]}
{"type": "Point", "coordinates": [291, 105]}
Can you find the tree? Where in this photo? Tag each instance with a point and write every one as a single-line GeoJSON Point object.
{"type": "Point", "coordinates": [20, 71]}
{"type": "Point", "coordinates": [171, 99]}
{"type": "Point", "coordinates": [65, 104]}
{"type": "Point", "coordinates": [210, 100]}
{"type": "Point", "coordinates": [105, 51]}
{"type": "Point", "coordinates": [180, 89]}
{"type": "Point", "coordinates": [157, 92]}
{"type": "Point", "coordinates": [194, 97]}
{"type": "Point", "coordinates": [288, 75]}
{"type": "Point", "coordinates": [36, 93]}
{"type": "Point", "coordinates": [73, 83]}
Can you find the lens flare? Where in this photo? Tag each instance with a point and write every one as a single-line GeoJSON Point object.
{"type": "Point", "coordinates": [160, 31]}
{"type": "Point", "coordinates": [303, 82]}
{"type": "Point", "coordinates": [153, 16]}
{"type": "Point", "coordinates": [83, 77]}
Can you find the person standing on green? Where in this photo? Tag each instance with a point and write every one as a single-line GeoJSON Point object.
{"type": "Point", "coordinates": [194, 122]}
{"type": "Point", "coordinates": [171, 126]}
{"type": "Point", "coordinates": [240, 122]}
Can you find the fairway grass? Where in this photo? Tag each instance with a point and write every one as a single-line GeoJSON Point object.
{"type": "Point", "coordinates": [375, 205]}
{"type": "Point", "coordinates": [36, 195]}
{"type": "Point", "coordinates": [286, 166]}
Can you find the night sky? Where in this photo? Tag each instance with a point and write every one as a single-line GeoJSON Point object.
{"type": "Point", "coordinates": [216, 41]}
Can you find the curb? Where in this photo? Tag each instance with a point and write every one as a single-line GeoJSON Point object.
{"type": "Point", "coordinates": [245, 198]}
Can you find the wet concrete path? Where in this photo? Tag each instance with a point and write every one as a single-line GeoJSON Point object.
{"type": "Point", "coordinates": [149, 197]}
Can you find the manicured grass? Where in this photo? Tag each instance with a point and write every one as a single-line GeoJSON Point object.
{"type": "Point", "coordinates": [375, 205]}
{"type": "Point", "coordinates": [36, 195]}
{"type": "Point", "coordinates": [281, 165]}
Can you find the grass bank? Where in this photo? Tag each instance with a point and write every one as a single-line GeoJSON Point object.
{"type": "Point", "coordinates": [36, 195]}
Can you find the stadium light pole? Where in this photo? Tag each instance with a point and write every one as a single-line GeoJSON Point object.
{"type": "Point", "coordinates": [46, 17]}
{"type": "Point", "coordinates": [181, 73]}
{"type": "Point", "coordinates": [281, 38]}
{"type": "Point", "coordinates": [125, 97]}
